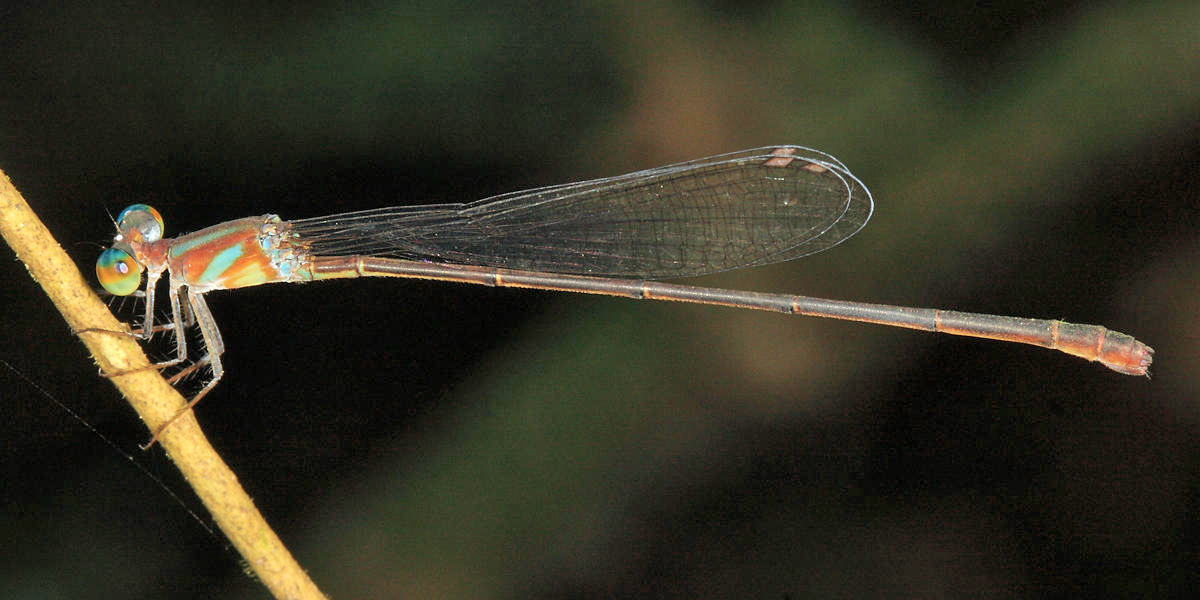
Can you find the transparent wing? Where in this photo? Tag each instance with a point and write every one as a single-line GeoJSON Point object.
{"type": "Point", "coordinates": [723, 212]}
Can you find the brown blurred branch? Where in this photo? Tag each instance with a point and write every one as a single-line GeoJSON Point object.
{"type": "Point", "coordinates": [151, 396]}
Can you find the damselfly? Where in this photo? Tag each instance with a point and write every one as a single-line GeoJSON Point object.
{"type": "Point", "coordinates": [614, 236]}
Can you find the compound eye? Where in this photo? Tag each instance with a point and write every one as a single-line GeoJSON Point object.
{"type": "Point", "coordinates": [140, 222]}
{"type": "Point", "coordinates": [118, 272]}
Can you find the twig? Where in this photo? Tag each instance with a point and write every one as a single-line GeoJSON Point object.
{"type": "Point", "coordinates": [152, 397]}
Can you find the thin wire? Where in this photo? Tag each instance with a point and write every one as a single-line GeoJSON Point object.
{"type": "Point", "coordinates": [140, 467]}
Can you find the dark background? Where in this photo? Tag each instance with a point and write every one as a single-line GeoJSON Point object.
{"type": "Point", "coordinates": [453, 441]}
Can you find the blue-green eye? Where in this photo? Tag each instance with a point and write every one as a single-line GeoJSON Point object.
{"type": "Point", "coordinates": [140, 222]}
{"type": "Point", "coordinates": [118, 272]}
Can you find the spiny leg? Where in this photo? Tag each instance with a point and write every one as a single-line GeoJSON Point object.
{"type": "Point", "coordinates": [214, 347]}
{"type": "Point", "coordinates": [151, 285]}
{"type": "Point", "coordinates": [149, 328]}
